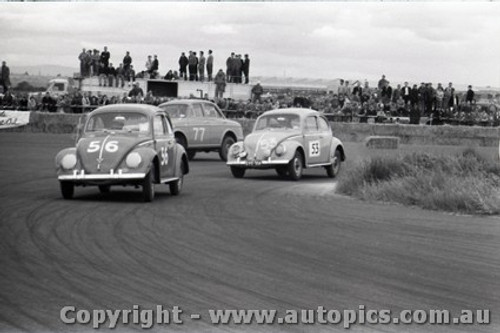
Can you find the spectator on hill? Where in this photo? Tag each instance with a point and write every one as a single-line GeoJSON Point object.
{"type": "Point", "coordinates": [439, 97]}
{"type": "Point", "coordinates": [220, 84]}
{"type": "Point", "coordinates": [5, 76]}
{"type": "Point", "coordinates": [246, 68]}
{"type": "Point", "coordinates": [120, 76]}
{"type": "Point", "coordinates": [169, 76]}
{"type": "Point", "coordinates": [382, 83]}
{"type": "Point", "coordinates": [238, 68]}
{"type": "Point", "coordinates": [201, 66]}
{"type": "Point", "coordinates": [103, 75]}
{"type": "Point", "coordinates": [210, 65]}
{"type": "Point", "coordinates": [386, 93]}
{"type": "Point", "coordinates": [396, 93]}
{"type": "Point", "coordinates": [112, 76]}
{"type": "Point", "coordinates": [448, 97]}
{"type": "Point", "coordinates": [405, 93]}
{"type": "Point", "coordinates": [105, 56]}
{"type": "Point", "coordinates": [149, 65]}
{"type": "Point", "coordinates": [469, 97]}
{"type": "Point", "coordinates": [183, 63]}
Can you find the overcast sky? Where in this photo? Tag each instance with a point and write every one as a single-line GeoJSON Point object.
{"type": "Point", "coordinates": [414, 41]}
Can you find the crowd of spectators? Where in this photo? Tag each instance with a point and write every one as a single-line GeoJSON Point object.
{"type": "Point", "coordinates": [95, 63]}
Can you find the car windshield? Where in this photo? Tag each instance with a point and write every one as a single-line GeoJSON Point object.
{"type": "Point", "coordinates": [118, 121]}
{"type": "Point", "coordinates": [176, 110]}
{"type": "Point", "coordinates": [278, 121]}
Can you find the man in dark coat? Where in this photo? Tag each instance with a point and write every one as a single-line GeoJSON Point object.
{"type": "Point", "coordinates": [257, 91]}
{"type": "Point", "coordinates": [5, 76]}
{"type": "Point", "coordinates": [210, 65]}
{"type": "Point", "coordinates": [183, 63]}
{"type": "Point", "coordinates": [154, 68]}
{"type": "Point", "coordinates": [193, 66]}
{"type": "Point", "coordinates": [246, 68]}
{"type": "Point", "coordinates": [469, 98]}
{"type": "Point", "coordinates": [127, 61]}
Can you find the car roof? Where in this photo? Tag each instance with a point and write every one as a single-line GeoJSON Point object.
{"type": "Point", "coordinates": [186, 101]}
{"type": "Point", "coordinates": [297, 111]}
{"type": "Point", "coordinates": [131, 107]}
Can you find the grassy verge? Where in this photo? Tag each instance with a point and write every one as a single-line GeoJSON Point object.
{"type": "Point", "coordinates": [464, 182]}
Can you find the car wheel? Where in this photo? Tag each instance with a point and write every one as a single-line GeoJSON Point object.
{"type": "Point", "coordinates": [104, 188]}
{"type": "Point", "coordinates": [176, 185]}
{"type": "Point", "coordinates": [224, 149]}
{"type": "Point", "coordinates": [148, 186]}
{"type": "Point", "coordinates": [67, 190]}
{"type": "Point", "coordinates": [282, 171]}
{"type": "Point", "coordinates": [333, 169]}
{"type": "Point", "coordinates": [238, 172]}
{"type": "Point", "coordinates": [296, 166]}
{"type": "Point", "coordinates": [191, 154]}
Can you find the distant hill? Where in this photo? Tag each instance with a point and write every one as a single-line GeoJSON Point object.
{"type": "Point", "coordinates": [44, 70]}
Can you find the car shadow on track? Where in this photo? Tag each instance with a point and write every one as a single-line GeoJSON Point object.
{"type": "Point", "coordinates": [121, 195]}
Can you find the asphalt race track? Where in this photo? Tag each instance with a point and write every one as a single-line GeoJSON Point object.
{"type": "Point", "coordinates": [261, 242]}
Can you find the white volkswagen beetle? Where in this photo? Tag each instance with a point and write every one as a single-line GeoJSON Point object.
{"type": "Point", "coordinates": [288, 140]}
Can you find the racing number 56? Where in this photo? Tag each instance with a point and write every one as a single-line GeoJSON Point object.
{"type": "Point", "coordinates": [110, 146]}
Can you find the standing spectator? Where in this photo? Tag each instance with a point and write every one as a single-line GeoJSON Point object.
{"type": "Point", "coordinates": [439, 97]}
{"type": "Point", "coordinates": [192, 65]}
{"type": "Point", "coordinates": [230, 68]}
{"type": "Point", "coordinates": [94, 67]}
{"type": "Point", "coordinates": [357, 92]}
{"type": "Point", "coordinates": [246, 68]}
{"type": "Point", "coordinates": [82, 57]}
{"type": "Point", "coordinates": [366, 94]}
{"type": "Point", "coordinates": [5, 77]}
{"type": "Point", "coordinates": [103, 75]}
{"type": "Point", "coordinates": [105, 55]}
{"type": "Point", "coordinates": [429, 95]}
{"type": "Point", "coordinates": [386, 93]}
{"type": "Point", "coordinates": [405, 92]}
{"type": "Point", "coordinates": [183, 63]}
{"type": "Point", "coordinates": [112, 76]}
{"type": "Point", "coordinates": [237, 68]}
{"type": "Point", "coordinates": [469, 97]}
{"type": "Point", "coordinates": [149, 65]}
{"type": "Point", "coordinates": [210, 65]}
{"type": "Point", "coordinates": [220, 84]}
{"type": "Point", "coordinates": [414, 96]}
{"type": "Point", "coordinates": [421, 97]}
{"type": "Point", "coordinates": [257, 91]}
{"type": "Point", "coordinates": [155, 67]}
{"type": "Point", "coordinates": [201, 67]}
{"type": "Point", "coordinates": [127, 62]}
{"type": "Point", "coordinates": [47, 102]}
{"type": "Point", "coordinates": [382, 83]}
{"type": "Point", "coordinates": [86, 105]}
{"type": "Point", "coordinates": [396, 93]}
{"type": "Point", "coordinates": [88, 63]}
{"type": "Point", "coordinates": [342, 93]}
{"type": "Point", "coordinates": [449, 96]}
{"type": "Point", "coordinates": [120, 76]}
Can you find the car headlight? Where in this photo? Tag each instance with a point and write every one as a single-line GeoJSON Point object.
{"type": "Point", "coordinates": [236, 150]}
{"type": "Point", "coordinates": [68, 162]}
{"type": "Point", "coordinates": [266, 152]}
{"type": "Point", "coordinates": [280, 150]}
{"type": "Point", "coordinates": [133, 160]}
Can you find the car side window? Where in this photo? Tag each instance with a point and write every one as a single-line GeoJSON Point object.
{"type": "Point", "coordinates": [311, 125]}
{"type": "Point", "coordinates": [158, 125]}
{"type": "Point", "coordinates": [211, 111]}
{"type": "Point", "coordinates": [197, 110]}
{"type": "Point", "coordinates": [168, 126]}
{"type": "Point", "coordinates": [323, 125]}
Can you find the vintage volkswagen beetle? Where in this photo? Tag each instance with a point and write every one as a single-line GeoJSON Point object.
{"type": "Point", "coordinates": [288, 140]}
{"type": "Point", "coordinates": [200, 125]}
{"type": "Point", "coordinates": [124, 144]}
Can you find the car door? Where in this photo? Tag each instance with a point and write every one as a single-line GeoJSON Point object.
{"type": "Point", "coordinates": [312, 141]}
{"type": "Point", "coordinates": [197, 135]}
{"type": "Point", "coordinates": [215, 124]}
{"type": "Point", "coordinates": [325, 139]}
{"type": "Point", "coordinates": [164, 145]}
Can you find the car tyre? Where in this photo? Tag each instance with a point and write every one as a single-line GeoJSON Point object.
{"type": "Point", "coordinates": [282, 171]}
{"type": "Point", "coordinates": [238, 172]}
{"type": "Point", "coordinates": [182, 141]}
{"type": "Point", "coordinates": [67, 190]}
{"type": "Point", "coordinates": [148, 186]}
{"type": "Point", "coordinates": [227, 142]}
{"type": "Point", "coordinates": [176, 185]}
{"type": "Point", "coordinates": [333, 169]}
{"type": "Point", "coordinates": [296, 166]}
{"type": "Point", "coordinates": [104, 188]}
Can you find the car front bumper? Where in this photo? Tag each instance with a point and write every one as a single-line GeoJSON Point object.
{"type": "Point", "coordinates": [82, 176]}
{"type": "Point", "coordinates": [268, 163]}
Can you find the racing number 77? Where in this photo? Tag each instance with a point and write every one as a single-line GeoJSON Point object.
{"type": "Point", "coordinates": [200, 131]}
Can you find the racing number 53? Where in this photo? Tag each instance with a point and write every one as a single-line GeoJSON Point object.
{"type": "Point", "coordinates": [314, 148]}
{"type": "Point", "coordinates": [110, 146]}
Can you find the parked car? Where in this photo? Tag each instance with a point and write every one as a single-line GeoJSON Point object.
{"type": "Point", "coordinates": [200, 125]}
{"type": "Point", "coordinates": [124, 144]}
{"type": "Point", "coordinates": [288, 140]}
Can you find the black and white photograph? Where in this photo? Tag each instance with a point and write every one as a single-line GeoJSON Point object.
{"type": "Point", "coordinates": [250, 166]}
